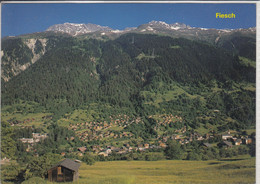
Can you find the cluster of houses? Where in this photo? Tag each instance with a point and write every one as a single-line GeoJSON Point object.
{"type": "Point", "coordinates": [126, 148]}
{"type": "Point", "coordinates": [184, 139]}
{"type": "Point", "coordinates": [18, 122]}
{"type": "Point", "coordinates": [230, 140]}
{"type": "Point", "coordinates": [98, 130]}
{"type": "Point", "coordinates": [113, 130]}
{"type": "Point", "coordinates": [92, 130]}
{"type": "Point", "coordinates": [36, 137]}
{"type": "Point", "coordinates": [14, 122]}
{"type": "Point", "coordinates": [98, 135]}
{"type": "Point", "coordinates": [167, 119]}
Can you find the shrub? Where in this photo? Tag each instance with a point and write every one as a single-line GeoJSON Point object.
{"type": "Point", "coordinates": [35, 180]}
{"type": "Point", "coordinates": [154, 156]}
{"type": "Point", "coordinates": [174, 150]}
{"type": "Point", "coordinates": [89, 159]}
{"type": "Point", "coordinates": [193, 156]}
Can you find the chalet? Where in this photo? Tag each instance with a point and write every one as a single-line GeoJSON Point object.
{"type": "Point", "coordinates": [39, 136]}
{"type": "Point", "coordinates": [64, 171]}
{"type": "Point", "coordinates": [162, 145]}
{"type": "Point", "coordinates": [237, 142]}
{"type": "Point", "coordinates": [27, 140]}
{"type": "Point", "coordinates": [247, 141]}
{"type": "Point", "coordinates": [141, 149]}
{"type": "Point", "coordinates": [122, 152]}
{"type": "Point", "coordinates": [177, 137]}
{"type": "Point", "coordinates": [130, 149]}
{"type": "Point", "coordinates": [200, 138]}
{"type": "Point", "coordinates": [80, 154]}
{"type": "Point", "coordinates": [115, 149]}
{"type": "Point", "coordinates": [140, 145]}
{"type": "Point", "coordinates": [206, 136]}
{"type": "Point", "coordinates": [82, 149]}
{"type": "Point", "coordinates": [103, 153]}
{"type": "Point", "coordinates": [225, 144]}
{"type": "Point", "coordinates": [226, 136]}
{"type": "Point", "coordinates": [186, 141]}
{"type": "Point", "coordinates": [123, 148]}
{"type": "Point", "coordinates": [146, 146]}
{"type": "Point", "coordinates": [107, 151]}
{"type": "Point", "coordinates": [127, 145]}
{"type": "Point", "coordinates": [5, 160]}
{"type": "Point", "coordinates": [165, 139]}
{"type": "Point", "coordinates": [28, 148]}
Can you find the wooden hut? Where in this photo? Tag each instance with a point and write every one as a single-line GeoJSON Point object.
{"type": "Point", "coordinates": [64, 171]}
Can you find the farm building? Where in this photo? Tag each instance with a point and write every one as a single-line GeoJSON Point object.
{"type": "Point", "coordinates": [64, 171]}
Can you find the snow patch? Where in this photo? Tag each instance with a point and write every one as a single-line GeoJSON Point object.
{"type": "Point", "coordinates": [116, 31]}
{"type": "Point", "coordinates": [175, 28]}
{"type": "Point", "coordinates": [149, 28]}
{"type": "Point", "coordinates": [226, 30]}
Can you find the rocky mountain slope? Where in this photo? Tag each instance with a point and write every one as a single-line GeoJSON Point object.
{"type": "Point", "coordinates": [18, 53]}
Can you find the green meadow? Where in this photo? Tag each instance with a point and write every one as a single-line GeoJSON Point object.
{"type": "Point", "coordinates": [236, 170]}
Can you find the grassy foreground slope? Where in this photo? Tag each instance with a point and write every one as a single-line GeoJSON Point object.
{"type": "Point", "coordinates": [239, 170]}
{"type": "Point", "coordinates": [236, 170]}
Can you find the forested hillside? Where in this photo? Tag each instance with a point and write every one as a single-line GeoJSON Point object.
{"type": "Point", "coordinates": [77, 72]}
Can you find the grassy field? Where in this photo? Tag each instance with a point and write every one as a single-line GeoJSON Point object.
{"type": "Point", "coordinates": [238, 170]}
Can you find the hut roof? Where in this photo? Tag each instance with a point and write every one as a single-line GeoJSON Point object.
{"type": "Point", "coordinates": [227, 143]}
{"type": "Point", "coordinates": [69, 164]}
{"type": "Point", "coordinates": [207, 145]}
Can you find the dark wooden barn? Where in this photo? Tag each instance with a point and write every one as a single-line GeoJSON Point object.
{"type": "Point", "coordinates": [64, 171]}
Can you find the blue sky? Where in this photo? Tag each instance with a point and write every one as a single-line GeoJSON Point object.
{"type": "Point", "coordinates": [28, 18]}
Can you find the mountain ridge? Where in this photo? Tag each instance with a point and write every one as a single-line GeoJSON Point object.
{"type": "Point", "coordinates": [238, 41]}
{"type": "Point", "coordinates": [75, 29]}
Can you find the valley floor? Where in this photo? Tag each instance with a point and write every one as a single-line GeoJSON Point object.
{"type": "Point", "coordinates": [236, 170]}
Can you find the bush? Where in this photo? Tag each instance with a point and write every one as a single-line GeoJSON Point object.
{"type": "Point", "coordinates": [89, 159]}
{"type": "Point", "coordinates": [12, 172]}
{"type": "Point", "coordinates": [174, 150]}
{"type": "Point", "coordinates": [35, 180]}
{"type": "Point", "coordinates": [193, 156]}
{"type": "Point", "coordinates": [154, 156]}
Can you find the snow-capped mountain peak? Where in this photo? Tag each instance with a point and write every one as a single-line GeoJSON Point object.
{"type": "Point", "coordinates": [164, 25]}
{"type": "Point", "coordinates": [158, 23]}
{"type": "Point", "coordinates": [76, 29]}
